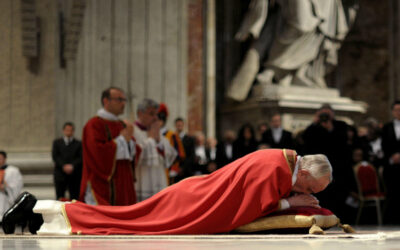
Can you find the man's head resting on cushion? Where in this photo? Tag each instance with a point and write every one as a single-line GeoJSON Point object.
{"type": "Point", "coordinates": [313, 176]}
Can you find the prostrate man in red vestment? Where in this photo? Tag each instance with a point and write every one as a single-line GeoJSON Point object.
{"type": "Point", "coordinates": [108, 154]}
{"type": "Point", "coordinates": [244, 190]}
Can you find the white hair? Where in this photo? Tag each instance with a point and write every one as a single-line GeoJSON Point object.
{"type": "Point", "coordinates": [317, 165]}
{"type": "Point", "coordinates": [145, 104]}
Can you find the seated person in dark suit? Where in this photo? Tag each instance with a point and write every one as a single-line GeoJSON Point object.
{"type": "Point", "coordinates": [67, 157]}
{"type": "Point", "coordinates": [276, 136]}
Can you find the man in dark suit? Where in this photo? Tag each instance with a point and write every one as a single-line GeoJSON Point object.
{"type": "Point", "coordinates": [67, 157]}
{"type": "Point", "coordinates": [276, 136]}
{"type": "Point", "coordinates": [189, 146]}
{"type": "Point", "coordinates": [328, 136]}
{"type": "Point", "coordinates": [391, 150]}
{"type": "Point", "coordinates": [225, 150]}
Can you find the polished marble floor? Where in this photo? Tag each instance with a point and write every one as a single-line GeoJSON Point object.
{"type": "Point", "coordinates": [365, 238]}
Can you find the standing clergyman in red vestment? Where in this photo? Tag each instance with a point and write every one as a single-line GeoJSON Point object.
{"type": "Point", "coordinates": [108, 154]}
{"type": "Point", "coordinates": [242, 191]}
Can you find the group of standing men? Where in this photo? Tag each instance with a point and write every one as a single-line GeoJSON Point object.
{"type": "Point", "coordinates": [123, 162]}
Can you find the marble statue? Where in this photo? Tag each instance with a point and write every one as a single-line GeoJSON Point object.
{"type": "Point", "coordinates": [294, 42]}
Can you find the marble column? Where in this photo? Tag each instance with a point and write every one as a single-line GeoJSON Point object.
{"type": "Point", "coordinates": [195, 66]}
{"type": "Point", "coordinates": [211, 64]}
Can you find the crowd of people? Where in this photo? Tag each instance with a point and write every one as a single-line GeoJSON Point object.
{"type": "Point", "coordinates": [345, 146]}
{"type": "Point", "coordinates": [122, 163]}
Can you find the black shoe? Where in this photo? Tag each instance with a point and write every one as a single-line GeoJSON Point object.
{"type": "Point", "coordinates": [19, 213]}
{"type": "Point", "coordinates": [35, 222]}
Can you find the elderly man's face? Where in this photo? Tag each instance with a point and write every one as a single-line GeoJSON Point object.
{"type": "Point", "coordinates": [307, 184]}
{"type": "Point", "coordinates": [200, 140]}
{"type": "Point", "coordinates": [148, 117]}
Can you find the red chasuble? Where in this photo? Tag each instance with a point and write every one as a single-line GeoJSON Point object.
{"type": "Point", "coordinates": [236, 194]}
{"type": "Point", "coordinates": [111, 181]}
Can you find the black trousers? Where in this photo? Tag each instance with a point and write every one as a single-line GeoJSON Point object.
{"type": "Point", "coordinates": [64, 182]}
{"type": "Point", "coordinates": [391, 175]}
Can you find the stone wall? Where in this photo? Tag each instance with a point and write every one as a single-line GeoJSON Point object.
{"type": "Point", "coordinates": [27, 98]}
{"type": "Point", "coordinates": [137, 45]}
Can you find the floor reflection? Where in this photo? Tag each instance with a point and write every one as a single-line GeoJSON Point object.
{"type": "Point", "coordinates": [368, 238]}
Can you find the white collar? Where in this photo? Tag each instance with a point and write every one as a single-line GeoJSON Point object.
{"type": "Point", "coordinates": [163, 130]}
{"type": "Point", "coordinates": [296, 170]}
{"type": "Point", "coordinates": [396, 122]}
{"type": "Point", "coordinates": [68, 138]}
{"type": "Point", "coordinates": [107, 115]}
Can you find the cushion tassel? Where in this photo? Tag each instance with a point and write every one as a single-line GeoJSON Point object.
{"type": "Point", "coordinates": [315, 229]}
{"type": "Point", "coordinates": [346, 228]}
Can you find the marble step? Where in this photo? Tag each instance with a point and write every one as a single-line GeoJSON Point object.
{"type": "Point", "coordinates": [35, 180]}
{"type": "Point", "coordinates": [41, 193]}
{"type": "Point", "coordinates": [40, 185]}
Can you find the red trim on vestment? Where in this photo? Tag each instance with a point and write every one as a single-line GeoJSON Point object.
{"type": "Point", "coordinates": [307, 211]}
{"type": "Point", "coordinates": [141, 126]}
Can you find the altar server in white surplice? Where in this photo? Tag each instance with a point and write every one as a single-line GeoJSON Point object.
{"type": "Point", "coordinates": [156, 155]}
{"type": "Point", "coordinates": [11, 184]}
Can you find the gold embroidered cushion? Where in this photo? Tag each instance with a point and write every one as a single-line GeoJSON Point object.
{"type": "Point", "coordinates": [296, 219]}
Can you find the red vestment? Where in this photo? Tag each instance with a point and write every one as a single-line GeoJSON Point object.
{"type": "Point", "coordinates": [236, 194]}
{"type": "Point", "coordinates": [111, 181]}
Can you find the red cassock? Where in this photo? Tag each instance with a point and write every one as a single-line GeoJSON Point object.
{"type": "Point", "coordinates": [111, 181]}
{"type": "Point", "coordinates": [236, 194]}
